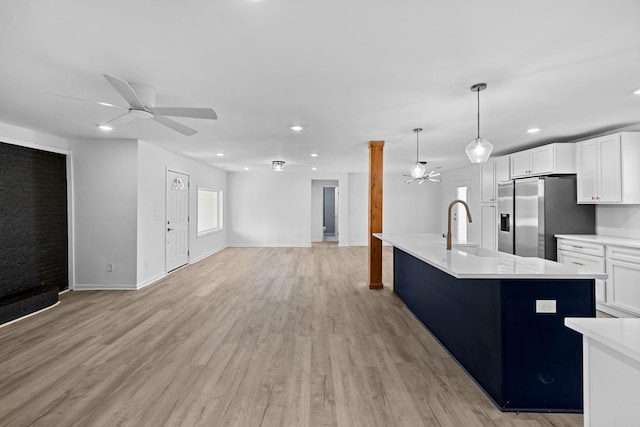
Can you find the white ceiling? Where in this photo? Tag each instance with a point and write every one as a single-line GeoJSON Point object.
{"type": "Point", "coordinates": [349, 71]}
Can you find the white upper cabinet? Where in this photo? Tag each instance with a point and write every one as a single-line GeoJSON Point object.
{"type": "Point", "coordinates": [607, 169]}
{"type": "Point", "coordinates": [488, 181]}
{"type": "Point", "coordinates": [503, 169]}
{"type": "Point", "coordinates": [546, 160]}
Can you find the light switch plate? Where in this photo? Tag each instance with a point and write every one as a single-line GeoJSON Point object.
{"type": "Point", "coordinates": [545, 306]}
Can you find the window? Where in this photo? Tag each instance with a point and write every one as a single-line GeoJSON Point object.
{"type": "Point", "coordinates": [209, 211]}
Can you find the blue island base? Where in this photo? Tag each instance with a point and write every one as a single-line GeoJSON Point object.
{"type": "Point", "coordinates": [523, 360]}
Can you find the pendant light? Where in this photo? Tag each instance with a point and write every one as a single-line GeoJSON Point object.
{"type": "Point", "coordinates": [418, 171]}
{"type": "Point", "coordinates": [479, 149]}
{"type": "Point", "coordinates": [277, 165]}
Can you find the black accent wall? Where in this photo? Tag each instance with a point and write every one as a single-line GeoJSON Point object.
{"type": "Point", "coordinates": [33, 220]}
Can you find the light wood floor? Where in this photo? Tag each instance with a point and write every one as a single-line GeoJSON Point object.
{"type": "Point", "coordinates": [247, 337]}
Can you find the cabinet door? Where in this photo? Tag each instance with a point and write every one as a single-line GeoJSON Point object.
{"type": "Point", "coordinates": [610, 170]}
{"type": "Point", "coordinates": [520, 164]}
{"type": "Point", "coordinates": [543, 160]}
{"type": "Point", "coordinates": [488, 184]}
{"type": "Point", "coordinates": [503, 169]}
{"type": "Point", "coordinates": [623, 290]}
{"type": "Point", "coordinates": [489, 222]}
{"type": "Point", "coordinates": [586, 262]}
{"type": "Point", "coordinates": [586, 162]}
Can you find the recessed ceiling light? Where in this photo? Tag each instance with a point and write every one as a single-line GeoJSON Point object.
{"type": "Point", "coordinates": [314, 169]}
{"type": "Point", "coordinates": [314, 154]}
{"type": "Point", "coordinates": [220, 154]}
{"type": "Point", "coordinates": [246, 168]}
{"type": "Point", "coordinates": [533, 130]}
{"type": "Point", "coordinates": [297, 128]}
{"type": "Point", "coordinates": [106, 104]}
{"type": "Point", "coordinates": [637, 92]}
{"type": "Point", "coordinates": [105, 128]}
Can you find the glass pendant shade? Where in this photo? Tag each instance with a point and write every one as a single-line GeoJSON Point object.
{"type": "Point", "coordinates": [417, 170]}
{"type": "Point", "coordinates": [479, 150]}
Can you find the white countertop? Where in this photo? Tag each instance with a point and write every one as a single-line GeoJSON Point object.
{"type": "Point", "coordinates": [471, 262]}
{"type": "Point", "coordinates": [603, 240]}
{"type": "Point", "coordinates": [622, 335]}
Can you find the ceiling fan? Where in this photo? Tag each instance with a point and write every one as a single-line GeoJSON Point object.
{"type": "Point", "coordinates": [141, 99]}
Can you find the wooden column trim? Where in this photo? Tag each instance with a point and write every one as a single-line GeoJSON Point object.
{"type": "Point", "coordinates": [375, 214]}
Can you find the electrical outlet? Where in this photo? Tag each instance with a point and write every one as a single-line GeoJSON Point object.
{"type": "Point", "coordinates": [110, 267]}
{"type": "Point", "coordinates": [546, 306]}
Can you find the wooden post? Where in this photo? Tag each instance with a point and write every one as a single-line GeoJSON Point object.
{"type": "Point", "coordinates": [375, 214]}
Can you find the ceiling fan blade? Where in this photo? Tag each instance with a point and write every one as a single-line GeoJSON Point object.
{"type": "Point", "coordinates": [120, 120]}
{"type": "Point", "coordinates": [196, 113]}
{"type": "Point", "coordinates": [126, 91]}
{"type": "Point", "coordinates": [106, 104]}
{"type": "Point", "coordinates": [178, 127]}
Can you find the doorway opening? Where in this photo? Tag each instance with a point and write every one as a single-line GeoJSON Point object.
{"type": "Point", "coordinates": [325, 226]}
{"type": "Point", "coordinates": [329, 216]}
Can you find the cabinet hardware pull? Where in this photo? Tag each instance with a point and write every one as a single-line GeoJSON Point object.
{"type": "Point", "coordinates": [577, 247]}
{"type": "Point", "coordinates": [576, 263]}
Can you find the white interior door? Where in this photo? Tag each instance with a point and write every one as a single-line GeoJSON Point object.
{"type": "Point", "coordinates": [177, 231]}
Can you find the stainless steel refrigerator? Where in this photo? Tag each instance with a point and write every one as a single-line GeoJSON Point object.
{"type": "Point", "coordinates": [532, 210]}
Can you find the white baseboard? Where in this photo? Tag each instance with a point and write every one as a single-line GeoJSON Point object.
{"type": "Point", "coordinates": [151, 280]}
{"type": "Point", "coordinates": [208, 254]}
{"type": "Point", "coordinates": [104, 287]}
{"type": "Point", "coordinates": [269, 245]}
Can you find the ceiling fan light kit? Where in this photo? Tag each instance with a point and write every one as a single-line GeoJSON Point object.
{"type": "Point", "coordinates": [142, 101]}
{"type": "Point", "coordinates": [479, 149]}
{"type": "Point", "coordinates": [277, 165]}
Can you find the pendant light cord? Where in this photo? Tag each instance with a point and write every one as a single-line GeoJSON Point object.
{"type": "Point", "coordinates": [478, 90]}
{"type": "Point", "coordinates": [417, 147]}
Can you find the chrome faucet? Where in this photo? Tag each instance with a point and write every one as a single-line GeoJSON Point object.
{"type": "Point", "coordinates": [449, 219]}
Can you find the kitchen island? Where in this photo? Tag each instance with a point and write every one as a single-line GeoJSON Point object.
{"type": "Point", "coordinates": [501, 317]}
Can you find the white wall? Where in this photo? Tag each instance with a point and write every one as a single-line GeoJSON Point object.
{"type": "Point", "coordinates": [274, 208]}
{"type": "Point", "coordinates": [410, 208]}
{"type": "Point", "coordinates": [406, 208]}
{"type": "Point", "coordinates": [359, 207]}
{"type": "Point", "coordinates": [30, 138]}
{"type": "Point", "coordinates": [317, 207]}
{"type": "Point", "coordinates": [620, 220]}
{"type": "Point", "coordinates": [269, 209]}
{"type": "Point", "coordinates": [105, 205]}
{"type": "Point", "coordinates": [152, 165]}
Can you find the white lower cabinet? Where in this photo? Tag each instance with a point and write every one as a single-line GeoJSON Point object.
{"type": "Point", "coordinates": [619, 295]}
{"type": "Point", "coordinates": [489, 223]}
{"type": "Point", "coordinates": [586, 261]}
{"type": "Point", "coordinates": [623, 266]}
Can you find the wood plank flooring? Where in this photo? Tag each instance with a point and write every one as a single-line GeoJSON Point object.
{"type": "Point", "coordinates": [246, 337]}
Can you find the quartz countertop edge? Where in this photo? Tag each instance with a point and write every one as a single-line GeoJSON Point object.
{"type": "Point", "coordinates": [601, 239]}
{"type": "Point", "coordinates": [622, 335]}
{"type": "Point", "coordinates": [471, 262]}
